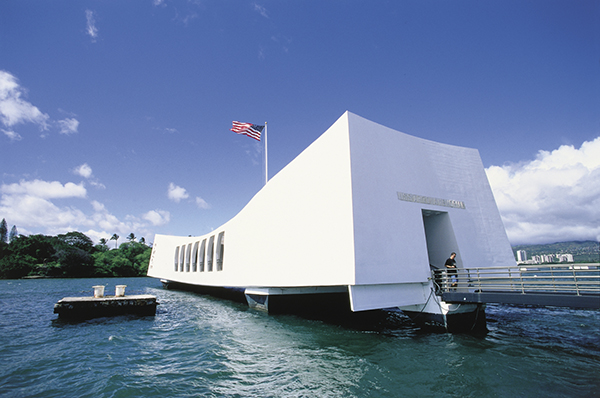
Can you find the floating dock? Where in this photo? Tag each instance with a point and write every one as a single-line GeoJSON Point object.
{"type": "Point", "coordinates": [103, 306]}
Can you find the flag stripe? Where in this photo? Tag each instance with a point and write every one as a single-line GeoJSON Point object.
{"type": "Point", "coordinates": [247, 129]}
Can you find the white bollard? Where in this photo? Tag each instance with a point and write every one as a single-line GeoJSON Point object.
{"type": "Point", "coordinates": [120, 290]}
{"type": "Point", "coordinates": [98, 291]}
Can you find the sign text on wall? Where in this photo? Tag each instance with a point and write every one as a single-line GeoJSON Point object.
{"type": "Point", "coordinates": [409, 197]}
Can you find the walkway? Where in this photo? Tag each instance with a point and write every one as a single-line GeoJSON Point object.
{"type": "Point", "coordinates": [573, 285]}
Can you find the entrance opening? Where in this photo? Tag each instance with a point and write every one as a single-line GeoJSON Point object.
{"type": "Point", "coordinates": [440, 237]}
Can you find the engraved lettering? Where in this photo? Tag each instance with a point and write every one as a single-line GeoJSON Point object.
{"type": "Point", "coordinates": [408, 197]}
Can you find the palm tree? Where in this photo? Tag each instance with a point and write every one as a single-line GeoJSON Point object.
{"type": "Point", "coordinates": [131, 237]}
{"type": "Point", "coordinates": [115, 237]}
{"type": "Point", "coordinates": [103, 241]}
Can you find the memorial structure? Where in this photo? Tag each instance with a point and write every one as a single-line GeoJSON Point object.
{"type": "Point", "coordinates": [357, 220]}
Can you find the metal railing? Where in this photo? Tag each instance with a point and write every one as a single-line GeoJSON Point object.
{"type": "Point", "coordinates": [576, 279]}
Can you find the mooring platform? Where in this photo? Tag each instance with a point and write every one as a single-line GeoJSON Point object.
{"type": "Point", "coordinates": [95, 307]}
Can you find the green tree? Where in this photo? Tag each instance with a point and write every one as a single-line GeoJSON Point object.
{"type": "Point", "coordinates": [131, 237]}
{"type": "Point", "coordinates": [78, 240]}
{"type": "Point", "coordinates": [71, 255]}
{"type": "Point", "coordinates": [30, 255]}
{"type": "Point", "coordinates": [40, 247]}
{"type": "Point", "coordinates": [3, 231]}
{"type": "Point", "coordinates": [142, 261]}
{"type": "Point", "coordinates": [74, 253]}
{"type": "Point", "coordinates": [4, 249]}
{"type": "Point", "coordinates": [103, 263]}
{"type": "Point", "coordinates": [138, 257]}
{"type": "Point", "coordinates": [123, 267]}
{"type": "Point", "coordinates": [16, 266]}
{"type": "Point", "coordinates": [13, 233]}
{"type": "Point", "coordinates": [101, 247]}
{"type": "Point", "coordinates": [75, 262]}
{"type": "Point", "coordinates": [113, 263]}
{"type": "Point", "coordinates": [115, 237]}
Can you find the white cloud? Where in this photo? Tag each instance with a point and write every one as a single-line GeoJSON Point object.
{"type": "Point", "coordinates": [34, 207]}
{"type": "Point", "coordinates": [13, 136]}
{"type": "Point", "coordinates": [26, 210]}
{"type": "Point", "coordinates": [68, 126]}
{"type": "Point", "coordinates": [84, 170]}
{"type": "Point", "coordinates": [157, 217]}
{"type": "Point", "coordinates": [44, 189]}
{"type": "Point", "coordinates": [176, 193]}
{"type": "Point", "coordinates": [189, 18]}
{"type": "Point", "coordinates": [91, 29]}
{"type": "Point", "coordinates": [553, 198]}
{"type": "Point", "coordinates": [97, 184]}
{"type": "Point", "coordinates": [103, 219]}
{"type": "Point", "coordinates": [13, 108]}
{"type": "Point", "coordinates": [29, 204]}
{"type": "Point", "coordinates": [98, 207]}
{"type": "Point", "coordinates": [261, 10]}
{"type": "Point", "coordinates": [201, 203]}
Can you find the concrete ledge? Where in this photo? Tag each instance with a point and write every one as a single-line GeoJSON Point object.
{"type": "Point", "coordinates": [94, 307]}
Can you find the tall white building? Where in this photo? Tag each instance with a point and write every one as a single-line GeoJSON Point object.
{"type": "Point", "coordinates": [363, 212]}
{"type": "Point", "coordinates": [521, 256]}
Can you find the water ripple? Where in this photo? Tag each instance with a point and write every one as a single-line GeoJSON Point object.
{"type": "Point", "coordinates": [202, 346]}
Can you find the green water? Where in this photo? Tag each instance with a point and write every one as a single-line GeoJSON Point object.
{"type": "Point", "coordinates": [199, 346]}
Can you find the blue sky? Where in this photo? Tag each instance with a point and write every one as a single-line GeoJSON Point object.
{"type": "Point", "coordinates": [115, 115]}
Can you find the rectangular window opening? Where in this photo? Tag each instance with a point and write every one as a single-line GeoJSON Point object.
{"type": "Point", "coordinates": [220, 250]}
{"type": "Point", "coordinates": [210, 252]}
{"type": "Point", "coordinates": [188, 253]}
{"type": "Point", "coordinates": [202, 255]}
{"type": "Point", "coordinates": [176, 258]}
{"type": "Point", "coordinates": [181, 257]}
{"type": "Point", "coordinates": [195, 257]}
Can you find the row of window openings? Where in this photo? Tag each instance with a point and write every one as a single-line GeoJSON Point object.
{"type": "Point", "coordinates": [198, 256]}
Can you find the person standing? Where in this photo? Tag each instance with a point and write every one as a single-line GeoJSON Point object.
{"type": "Point", "coordinates": [451, 269]}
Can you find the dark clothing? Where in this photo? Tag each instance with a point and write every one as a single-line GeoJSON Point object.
{"type": "Point", "coordinates": [451, 266]}
{"type": "Point", "coordinates": [451, 270]}
{"type": "Point", "coordinates": [450, 263]}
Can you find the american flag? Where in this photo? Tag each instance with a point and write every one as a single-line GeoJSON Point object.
{"type": "Point", "coordinates": [249, 129]}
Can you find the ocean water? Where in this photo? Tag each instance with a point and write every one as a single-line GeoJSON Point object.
{"type": "Point", "coordinates": [200, 346]}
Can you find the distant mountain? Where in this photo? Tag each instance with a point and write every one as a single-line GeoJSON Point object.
{"type": "Point", "coordinates": [587, 251]}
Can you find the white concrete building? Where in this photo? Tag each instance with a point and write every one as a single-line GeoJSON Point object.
{"type": "Point", "coordinates": [565, 258]}
{"type": "Point", "coordinates": [361, 213]}
{"type": "Point", "coordinates": [521, 256]}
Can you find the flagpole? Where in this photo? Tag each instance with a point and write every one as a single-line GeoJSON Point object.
{"type": "Point", "coordinates": [266, 157]}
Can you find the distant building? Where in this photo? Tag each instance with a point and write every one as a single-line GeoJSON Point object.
{"type": "Point", "coordinates": [551, 258]}
{"type": "Point", "coordinates": [521, 256]}
{"type": "Point", "coordinates": [542, 259]}
{"type": "Point", "coordinates": [564, 258]}
{"type": "Point", "coordinates": [547, 258]}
